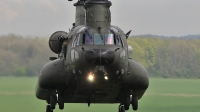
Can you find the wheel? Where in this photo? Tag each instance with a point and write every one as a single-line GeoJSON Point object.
{"type": "Point", "coordinates": [53, 101]}
{"type": "Point", "coordinates": [60, 102]}
{"type": "Point", "coordinates": [61, 106]}
{"type": "Point", "coordinates": [126, 102]}
{"type": "Point", "coordinates": [135, 103]}
{"type": "Point", "coordinates": [48, 108]}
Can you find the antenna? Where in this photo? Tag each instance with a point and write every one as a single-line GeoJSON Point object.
{"type": "Point", "coordinates": [127, 34]}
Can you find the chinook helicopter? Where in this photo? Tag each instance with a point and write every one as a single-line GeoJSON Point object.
{"type": "Point", "coordinates": [93, 64]}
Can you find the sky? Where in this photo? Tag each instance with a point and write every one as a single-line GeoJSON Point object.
{"type": "Point", "coordinates": [157, 17]}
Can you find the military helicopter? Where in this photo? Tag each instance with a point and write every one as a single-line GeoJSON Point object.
{"type": "Point", "coordinates": [93, 64]}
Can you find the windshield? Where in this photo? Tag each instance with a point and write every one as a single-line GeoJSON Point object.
{"type": "Point", "coordinates": [87, 39]}
{"type": "Point", "coordinates": [98, 39]}
{"type": "Point", "coordinates": [109, 39]}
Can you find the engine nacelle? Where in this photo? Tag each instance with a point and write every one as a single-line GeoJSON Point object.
{"type": "Point", "coordinates": [55, 41]}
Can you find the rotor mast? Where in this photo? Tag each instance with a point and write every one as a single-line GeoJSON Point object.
{"type": "Point", "coordinates": [80, 13]}
{"type": "Point", "coordinates": [98, 13]}
{"type": "Point", "coordinates": [93, 13]}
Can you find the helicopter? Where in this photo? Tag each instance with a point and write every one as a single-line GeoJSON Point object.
{"type": "Point", "coordinates": [92, 63]}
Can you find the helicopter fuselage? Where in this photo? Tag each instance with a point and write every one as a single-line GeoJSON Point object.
{"type": "Point", "coordinates": [93, 63]}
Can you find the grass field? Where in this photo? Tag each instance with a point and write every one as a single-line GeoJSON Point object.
{"type": "Point", "coordinates": [163, 95]}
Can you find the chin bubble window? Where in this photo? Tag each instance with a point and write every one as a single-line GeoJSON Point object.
{"type": "Point", "coordinates": [74, 55]}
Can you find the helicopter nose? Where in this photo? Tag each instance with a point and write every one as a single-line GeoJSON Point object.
{"type": "Point", "coordinates": [100, 56]}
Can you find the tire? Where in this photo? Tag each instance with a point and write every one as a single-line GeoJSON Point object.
{"type": "Point", "coordinates": [48, 108]}
{"type": "Point", "coordinates": [135, 103]}
{"type": "Point", "coordinates": [61, 106]}
{"type": "Point", "coordinates": [60, 102]}
{"type": "Point", "coordinates": [53, 101]}
{"type": "Point", "coordinates": [126, 102]}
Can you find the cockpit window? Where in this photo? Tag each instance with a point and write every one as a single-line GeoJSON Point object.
{"type": "Point", "coordinates": [83, 39]}
{"type": "Point", "coordinates": [98, 39]}
{"type": "Point", "coordinates": [79, 39]}
{"type": "Point", "coordinates": [119, 41]}
{"type": "Point", "coordinates": [109, 39]}
{"type": "Point", "coordinates": [74, 41]}
{"type": "Point", "coordinates": [87, 39]}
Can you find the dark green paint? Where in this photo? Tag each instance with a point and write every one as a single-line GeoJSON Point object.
{"type": "Point", "coordinates": [80, 54]}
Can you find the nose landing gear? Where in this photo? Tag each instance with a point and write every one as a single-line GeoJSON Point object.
{"type": "Point", "coordinates": [127, 102]}
{"type": "Point", "coordinates": [134, 103]}
{"type": "Point", "coordinates": [60, 102]}
{"type": "Point", "coordinates": [48, 108]}
{"type": "Point", "coordinates": [53, 101]}
{"type": "Point", "coordinates": [133, 100]}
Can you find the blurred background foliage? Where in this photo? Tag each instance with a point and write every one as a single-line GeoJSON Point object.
{"type": "Point", "coordinates": [23, 56]}
{"type": "Point", "coordinates": [162, 57]}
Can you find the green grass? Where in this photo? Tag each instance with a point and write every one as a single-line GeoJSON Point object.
{"type": "Point", "coordinates": [163, 95]}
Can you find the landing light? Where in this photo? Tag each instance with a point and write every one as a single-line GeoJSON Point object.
{"type": "Point", "coordinates": [91, 77]}
{"type": "Point", "coordinates": [106, 77]}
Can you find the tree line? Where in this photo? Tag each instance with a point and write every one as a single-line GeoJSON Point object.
{"type": "Point", "coordinates": [162, 57]}
{"type": "Point", "coordinates": [169, 57]}
{"type": "Point", "coordinates": [23, 56]}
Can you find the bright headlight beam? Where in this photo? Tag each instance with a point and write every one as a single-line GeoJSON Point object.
{"type": "Point", "coordinates": [91, 77]}
{"type": "Point", "coordinates": [106, 77]}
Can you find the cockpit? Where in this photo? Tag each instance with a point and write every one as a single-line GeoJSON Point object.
{"type": "Point", "coordinates": [97, 39]}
